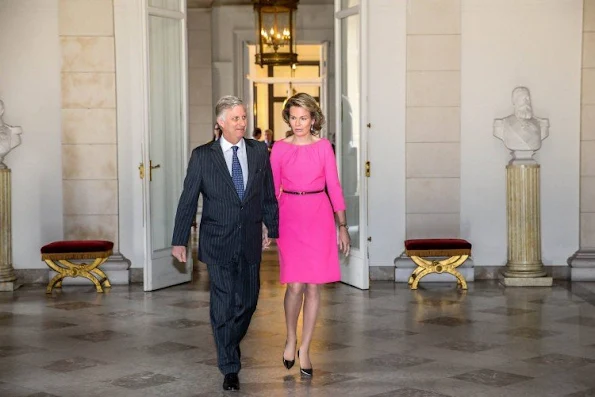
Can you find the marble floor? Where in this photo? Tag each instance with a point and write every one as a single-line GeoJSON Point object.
{"type": "Point", "coordinates": [388, 341]}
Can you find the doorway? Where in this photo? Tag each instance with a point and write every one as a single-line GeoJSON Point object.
{"type": "Point", "coordinates": [270, 86]}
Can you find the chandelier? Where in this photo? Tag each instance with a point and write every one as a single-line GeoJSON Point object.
{"type": "Point", "coordinates": [275, 32]}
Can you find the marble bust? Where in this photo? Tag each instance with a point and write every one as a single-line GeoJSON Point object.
{"type": "Point", "coordinates": [521, 131]}
{"type": "Point", "coordinates": [10, 137]}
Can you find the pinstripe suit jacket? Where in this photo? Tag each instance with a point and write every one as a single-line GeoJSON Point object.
{"type": "Point", "coordinates": [229, 226]}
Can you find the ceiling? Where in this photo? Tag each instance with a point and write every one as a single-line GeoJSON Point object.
{"type": "Point", "coordinates": [218, 3]}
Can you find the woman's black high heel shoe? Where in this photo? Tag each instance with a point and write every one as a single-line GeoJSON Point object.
{"type": "Point", "coordinates": [305, 371]}
{"type": "Point", "coordinates": [288, 363]}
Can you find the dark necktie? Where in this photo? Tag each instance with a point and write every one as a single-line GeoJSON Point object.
{"type": "Point", "coordinates": [236, 173]}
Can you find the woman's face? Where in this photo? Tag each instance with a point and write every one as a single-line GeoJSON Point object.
{"type": "Point", "coordinates": [300, 121]}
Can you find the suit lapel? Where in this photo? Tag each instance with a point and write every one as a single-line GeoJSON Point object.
{"type": "Point", "coordinates": [251, 153]}
{"type": "Point", "coordinates": [221, 165]}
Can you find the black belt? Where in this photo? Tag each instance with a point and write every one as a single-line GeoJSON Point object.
{"type": "Point", "coordinates": [302, 193]}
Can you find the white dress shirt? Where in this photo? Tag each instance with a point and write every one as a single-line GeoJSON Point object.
{"type": "Point", "coordinates": [242, 156]}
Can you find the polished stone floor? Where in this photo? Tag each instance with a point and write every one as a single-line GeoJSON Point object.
{"type": "Point", "coordinates": [388, 341]}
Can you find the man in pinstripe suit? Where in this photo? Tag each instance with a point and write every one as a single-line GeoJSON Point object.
{"type": "Point", "coordinates": [234, 176]}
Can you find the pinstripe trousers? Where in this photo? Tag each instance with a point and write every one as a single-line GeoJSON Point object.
{"type": "Point", "coordinates": [234, 295]}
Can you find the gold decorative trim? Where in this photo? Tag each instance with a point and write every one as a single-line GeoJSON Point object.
{"type": "Point", "coordinates": [61, 264]}
{"type": "Point", "coordinates": [436, 252]}
{"type": "Point", "coordinates": [449, 265]}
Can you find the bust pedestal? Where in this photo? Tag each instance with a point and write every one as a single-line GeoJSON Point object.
{"type": "Point", "coordinates": [524, 267]}
{"type": "Point", "coordinates": [8, 279]}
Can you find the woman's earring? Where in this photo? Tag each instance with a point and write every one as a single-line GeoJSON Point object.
{"type": "Point", "coordinates": [311, 128]}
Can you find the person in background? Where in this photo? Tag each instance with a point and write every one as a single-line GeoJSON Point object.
{"type": "Point", "coordinates": [269, 139]}
{"type": "Point", "coordinates": [257, 134]}
{"type": "Point", "coordinates": [216, 133]}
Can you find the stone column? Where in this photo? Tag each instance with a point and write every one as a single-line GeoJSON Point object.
{"type": "Point", "coordinates": [524, 266]}
{"type": "Point", "coordinates": [8, 279]}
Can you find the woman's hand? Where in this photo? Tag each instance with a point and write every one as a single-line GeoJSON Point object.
{"type": "Point", "coordinates": [344, 241]}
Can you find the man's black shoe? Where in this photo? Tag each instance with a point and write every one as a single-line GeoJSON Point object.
{"type": "Point", "coordinates": [231, 382]}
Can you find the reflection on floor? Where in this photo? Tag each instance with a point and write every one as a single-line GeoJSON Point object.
{"type": "Point", "coordinates": [388, 341]}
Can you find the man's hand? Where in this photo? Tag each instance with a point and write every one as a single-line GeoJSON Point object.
{"type": "Point", "coordinates": [266, 242]}
{"type": "Point", "coordinates": [179, 252]}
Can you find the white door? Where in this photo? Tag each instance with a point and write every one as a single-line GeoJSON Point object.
{"type": "Point", "coordinates": [351, 132]}
{"type": "Point", "coordinates": [324, 86]}
{"type": "Point", "coordinates": [165, 143]}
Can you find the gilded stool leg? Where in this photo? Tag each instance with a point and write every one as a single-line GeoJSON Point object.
{"type": "Point", "coordinates": [458, 261]}
{"type": "Point", "coordinates": [86, 270]}
{"type": "Point", "coordinates": [416, 272]}
{"type": "Point", "coordinates": [423, 268]}
{"type": "Point", "coordinates": [422, 274]}
{"type": "Point", "coordinates": [66, 268]}
{"type": "Point", "coordinates": [448, 265]}
{"type": "Point", "coordinates": [94, 280]}
{"type": "Point", "coordinates": [102, 276]}
{"type": "Point", "coordinates": [97, 272]}
{"type": "Point", "coordinates": [56, 281]}
{"type": "Point", "coordinates": [461, 281]}
{"type": "Point", "coordinates": [58, 277]}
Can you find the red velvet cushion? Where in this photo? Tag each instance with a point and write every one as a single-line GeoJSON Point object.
{"type": "Point", "coordinates": [436, 244]}
{"type": "Point", "coordinates": [61, 247]}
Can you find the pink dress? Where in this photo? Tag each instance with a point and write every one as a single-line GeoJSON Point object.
{"type": "Point", "coordinates": [308, 248]}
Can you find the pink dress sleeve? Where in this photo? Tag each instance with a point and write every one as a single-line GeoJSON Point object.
{"type": "Point", "coordinates": [333, 185]}
{"type": "Point", "coordinates": [276, 169]}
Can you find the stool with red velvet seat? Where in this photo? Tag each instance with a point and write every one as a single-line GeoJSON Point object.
{"type": "Point", "coordinates": [59, 254]}
{"type": "Point", "coordinates": [456, 252]}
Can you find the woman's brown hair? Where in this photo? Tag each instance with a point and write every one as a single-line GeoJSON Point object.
{"type": "Point", "coordinates": [305, 101]}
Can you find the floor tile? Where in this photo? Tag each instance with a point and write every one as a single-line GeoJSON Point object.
{"type": "Point", "coordinates": [72, 364]}
{"type": "Point", "coordinates": [492, 378]}
{"type": "Point", "coordinates": [142, 380]}
{"type": "Point", "coordinates": [530, 333]}
{"type": "Point", "coordinates": [560, 360]}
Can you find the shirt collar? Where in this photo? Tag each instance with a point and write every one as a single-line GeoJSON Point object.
{"type": "Point", "coordinates": [226, 145]}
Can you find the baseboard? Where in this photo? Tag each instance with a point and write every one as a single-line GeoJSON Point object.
{"type": "Point", "coordinates": [137, 275]}
{"type": "Point", "coordinates": [582, 274]}
{"type": "Point", "coordinates": [32, 276]}
{"type": "Point", "coordinates": [494, 272]}
{"type": "Point", "coordinates": [382, 273]}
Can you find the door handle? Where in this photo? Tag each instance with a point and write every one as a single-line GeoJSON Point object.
{"type": "Point", "coordinates": [151, 168]}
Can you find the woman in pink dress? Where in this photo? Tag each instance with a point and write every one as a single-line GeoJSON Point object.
{"type": "Point", "coordinates": [309, 194]}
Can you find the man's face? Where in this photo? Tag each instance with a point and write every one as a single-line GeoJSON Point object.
{"type": "Point", "coordinates": [269, 136]}
{"type": "Point", "coordinates": [233, 124]}
{"type": "Point", "coordinates": [522, 105]}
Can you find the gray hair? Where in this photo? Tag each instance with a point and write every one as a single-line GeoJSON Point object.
{"type": "Point", "coordinates": [225, 103]}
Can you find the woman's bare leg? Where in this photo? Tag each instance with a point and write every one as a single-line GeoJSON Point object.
{"type": "Point", "coordinates": [294, 296]}
{"type": "Point", "coordinates": [311, 306]}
